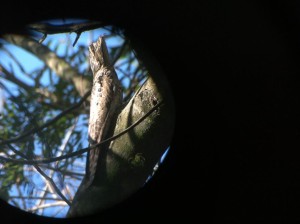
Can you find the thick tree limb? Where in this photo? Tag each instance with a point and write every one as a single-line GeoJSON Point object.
{"type": "Point", "coordinates": [127, 161]}
{"type": "Point", "coordinates": [55, 63]}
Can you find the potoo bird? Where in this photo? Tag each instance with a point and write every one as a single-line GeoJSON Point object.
{"type": "Point", "coordinates": [106, 98]}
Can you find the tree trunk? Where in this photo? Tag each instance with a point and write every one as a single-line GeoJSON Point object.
{"type": "Point", "coordinates": [126, 162]}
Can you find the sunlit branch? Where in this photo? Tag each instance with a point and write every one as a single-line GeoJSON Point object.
{"type": "Point", "coordinates": [59, 203]}
{"type": "Point", "coordinates": [47, 124]}
{"type": "Point", "coordinates": [58, 64]}
{"type": "Point", "coordinates": [67, 191]}
{"type": "Point", "coordinates": [33, 198]}
{"type": "Point", "coordinates": [47, 94]}
{"type": "Point", "coordinates": [68, 135]}
{"type": "Point", "coordinates": [46, 189]}
{"type": "Point", "coordinates": [42, 173]}
{"type": "Point", "coordinates": [81, 151]}
{"type": "Point", "coordinates": [20, 193]}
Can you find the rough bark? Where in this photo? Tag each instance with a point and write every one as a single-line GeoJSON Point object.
{"type": "Point", "coordinates": [126, 162]}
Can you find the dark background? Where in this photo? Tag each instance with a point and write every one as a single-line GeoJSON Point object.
{"type": "Point", "coordinates": [234, 69]}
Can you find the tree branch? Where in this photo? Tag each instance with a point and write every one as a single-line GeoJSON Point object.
{"type": "Point", "coordinates": [42, 173]}
{"type": "Point", "coordinates": [16, 62]}
{"type": "Point", "coordinates": [59, 203]}
{"type": "Point", "coordinates": [10, 77]}
{"type": "Point", "coordinates": [34, 198]}
{"type": "Point", "coordinates": [78, 28]}
{"type": "Point", "coordinates": [119, 52]}
{"type": "Point", "coordinates": [60, 66]}
{"type": "Point", "coordinates": [126, 163]}
{"type": "Point", "coordinates": [47, 124]}
{"type": "Point", "coordinates": [81, 151]}
{"type": "Point", "coordinates": [65, 28]}
{"type": "Point", "coordinates": [64, 172]}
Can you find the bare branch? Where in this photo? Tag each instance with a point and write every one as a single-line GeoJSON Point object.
{"type": "Point", "coordinates": [48, 28]}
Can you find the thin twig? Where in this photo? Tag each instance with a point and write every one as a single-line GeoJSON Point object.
{"type": "Point", "coordinates": [81, 151]}
{"type": "Point", "coordinates": [64, 172]}
{"type": "Point", "coordinates": [16, 62]}
{"type": "Point", "coordinates": [42, 173]}
{"type": "Point", "coordinates": [10, 77]}
{"type": "Point", "coordinates": [119, 52]}
{"type": "Point", "coordinates": [69, 132]}
{"type": "Point", "coordinates": [76, 39]}
{"type": "Point", "coordinates": [40, 128]}
{"type": "Point", "coordinates": [52, 184]}
{"type": "Point", "coordinates": [34, 198]}
{"type": "Point", "coordinates": [22, 199]}
{"type": "Point", "coordinates": [49, 28]}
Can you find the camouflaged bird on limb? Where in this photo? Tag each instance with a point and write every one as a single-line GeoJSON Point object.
{"type": "Point", "coordinates": [106, 99]}
{"type": "Point", "coordinates": [120, 167]}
